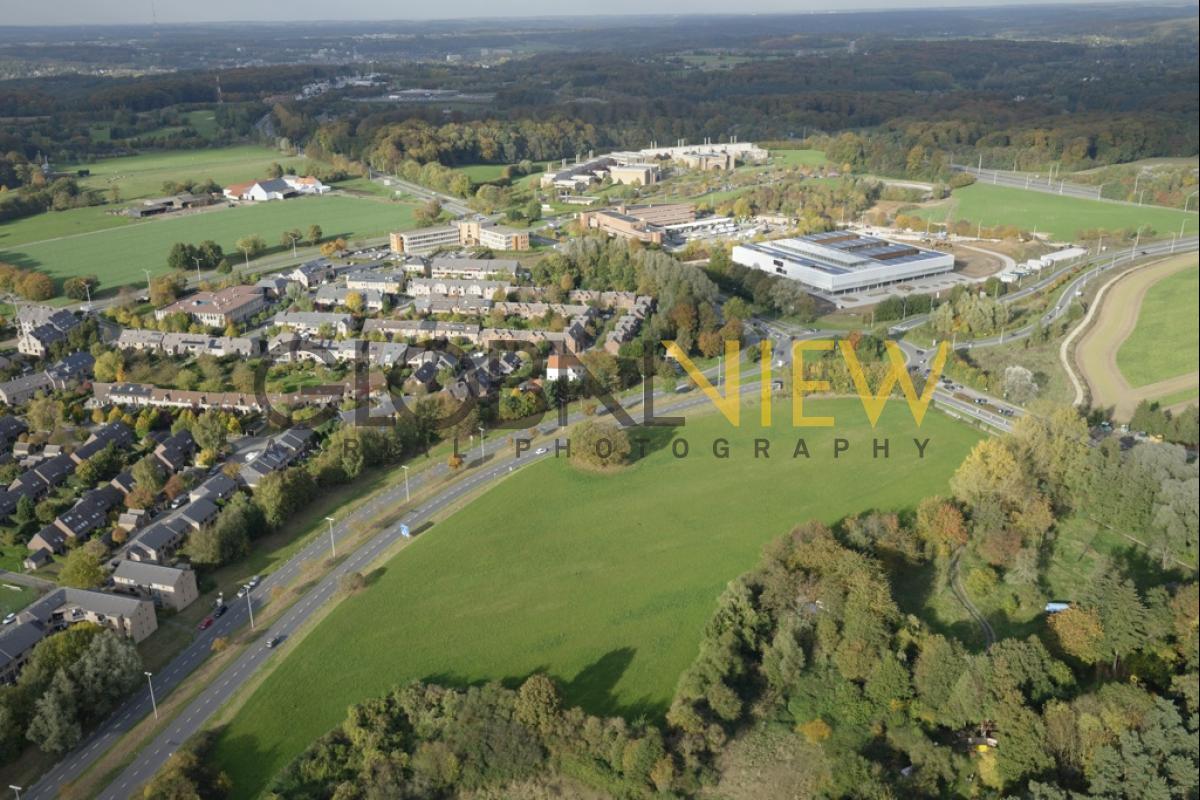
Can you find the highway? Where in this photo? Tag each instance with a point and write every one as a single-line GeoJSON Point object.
{"type": "Point", "coordinates": [1034, 183]}
{"type": "Point", "coordinates": [220, 688]}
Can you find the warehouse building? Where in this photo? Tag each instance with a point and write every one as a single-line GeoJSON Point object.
{"type": "Point", "coordinates": [836, 262]}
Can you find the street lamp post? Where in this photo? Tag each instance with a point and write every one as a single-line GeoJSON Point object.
{"type": "Point", "coordinates": [153, 701]}
{"type": "Point", "coordinates": [16, 789]}
{"type": "Point", "coordinates": [293, 238]}
{"type": "Point", "coordinates": [197, 260]}
{"type": "Point", "coordinates": [482, 451]}
{"type": "Point", "coordinates": [332, 548]}
{"type": "Point", "coordinates": [250, 608]}
{"type": "Point", "coordinates": [407, 496]}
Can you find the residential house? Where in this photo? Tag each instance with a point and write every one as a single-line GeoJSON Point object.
{"type": "Point", "coordinates": [199, 513]}
{"type": "Point", "coordinates": [39, 327]}
{"type": "Point", "coordinates": [283, 450]}
{"type": "Point", "coordinates": [312, 273]}
{"type": "Point", "coordinates": [311, 322]}
{"type": "Point", "coordinates": [305, 184]}
{"type": "Point", "coordinates": [216, 488]}
{"type": "Point", "coordinates": [168, 587]}
{"type": "Point", "coordinates": [117, 434]}
{"type": "Point", "coordinates": [176, 451]}
{"type": "Point", "coordinates": [469, 287]}
{"type": "Point", "coordinates": [564, 366]}
{"type": "Point", "coordinates": [159, 541]}
{"type": "Point", "coordinates": [73, 370]}
{"type": "Point", "coordinates": [333, 296]}
{"type": "Point", "coordinates": [389, 283]}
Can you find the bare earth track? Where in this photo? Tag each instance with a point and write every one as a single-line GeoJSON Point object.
{"type": "Point", "coordinates": [1115, 319]}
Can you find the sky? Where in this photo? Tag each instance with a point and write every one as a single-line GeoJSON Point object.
{"type": "Point", "coordinates": [99, 12]}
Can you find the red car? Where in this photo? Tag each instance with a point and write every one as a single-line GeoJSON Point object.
{"type": "Point", "coordinates": [206, 624]}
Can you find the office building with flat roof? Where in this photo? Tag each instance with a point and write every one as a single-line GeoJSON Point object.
{"type": "Point", "coordinates": [836, 262]}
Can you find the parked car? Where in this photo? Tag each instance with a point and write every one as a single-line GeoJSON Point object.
{"type": "Point", "coordinates": [221, 609]}
{"type": "Point", "coordinates": [10, 618]}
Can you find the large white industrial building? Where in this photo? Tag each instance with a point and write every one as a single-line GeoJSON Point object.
{"type": "Point", "coordinates": [837, 262]}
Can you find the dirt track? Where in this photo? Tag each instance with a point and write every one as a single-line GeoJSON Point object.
{"type": "Point", "coordinates": [1096, 353]}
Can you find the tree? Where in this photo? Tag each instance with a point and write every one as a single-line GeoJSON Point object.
{"type": "Point", "coordinates": [43, 412]}
{"type": "Point", "coordinates": [281, 493]}
{"type": "Point", "coordinates": [210, 431]}
{"type": "Point", "coordinates": [1079, 633]}
{"type": "Point", "coordinates": [83, 569]}
{"type": "Point", "coordinates": [599, 443]}
{"type": "Point", "coordinates": [354, 301]}
{"type": "Point", "coordinates": [148, 474]}
{"type": "Point", "coordinates": [80, 287]}
{"type": "Point", "coordinates": [36, 286]}
{"type": "Point", "coordinates": [189, 774]}
{"type": "Point", "coordinates": [941, 525]}
{"type": "Point", "coordinates": [166, 289]}
{"type": "Point", "coordinates": [429, 213]}
{"type": "Point", "coordinates": [315, 235]}
{"type": "Point", "coordinates": [109, 366]}
{"type": "Point", "coordinates": [55, 726]}
{"type": "Point", "coordinates": [251, 246]}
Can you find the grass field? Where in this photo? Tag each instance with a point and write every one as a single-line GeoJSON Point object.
{"type": "Point", "coordinates": [483, 173]}
{"type": "Point", "coordinates": [1166, 340]}
{"type": "Point", "coordinates": [1164, 356]}
{"type": "Point", "coordinates": [1060, 216]}
{"type": "Point", "coordinates": [798, 158]}
{"type": "Point", "coordinates": [143, 175]}
{"type": "Point", "coordinates": [119, 254]}
{"type": "Point", "coordinates": [605, 582]}
{"type": "Point", "coordinates": [14, 599]}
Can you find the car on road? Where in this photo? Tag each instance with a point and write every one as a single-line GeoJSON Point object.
{"type": "Point", "coordinates": [242, 592]}
{"type": "Point", "coordinates": [206, 623]}
{"type": "Point", "coordinates": [273, 642]}
{"type": "Point", "coordinates": [981, 401]}
{"type": "Point", "coordinates": [221, 609]}
{"type": "Point", "coordinates": [541, 451]}
{"type": "Point", "coordinates": [253, 582]}
{"type": "Point", "coordinates": [9, 619]}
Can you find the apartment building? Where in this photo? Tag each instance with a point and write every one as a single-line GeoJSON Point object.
{"type": "Point", "coordinates": [476, 233]}
{"type": "Point", "coordinates": [218, 309]}
{"type": "Point", "coordinates": [425, 240]}
{"type": "Point", "coordinates": [463, 287]}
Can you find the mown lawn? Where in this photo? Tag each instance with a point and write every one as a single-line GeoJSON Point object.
{"type": "Point", "coordinates": [1166, 340]}
{"type": "Point", "coordinates": [119, 254]}
{"type": "Point", "coordinates": [1060, 216]}
{"type": "Point", "coordinates": [14, 597]}
{"type": "Point", "coordinates": [605, 582]}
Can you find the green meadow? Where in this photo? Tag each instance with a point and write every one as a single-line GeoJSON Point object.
{"type": "Point", "coordinates": [118, 252]}
{"type": "Point", "coordinates": [603, 581]}
{"type": "Point", "coordinates": [144, 175]}
{"type": "Point", "coordinates": [1060, 216]}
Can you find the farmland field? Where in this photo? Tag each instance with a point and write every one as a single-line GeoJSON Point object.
{"type": "Point", "coordinates": [143, 175]}
{"type": "Point", "coordinates": [605, 582]}
{"type": "Point", "coordinates": [1060, 216]}
{"type": "Point", "coordinates": [118, 254]}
